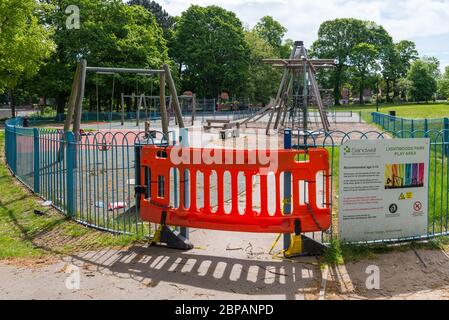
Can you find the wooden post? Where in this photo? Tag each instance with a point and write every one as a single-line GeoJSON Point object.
{"type": "Point", "coordinates": [163, 107]}
{"type": "Point", "coordinates": [174, 94]}
{"type": "Point", "coordinates": [123, 108]}
{"type": "Point", "coordinates": [72, 99]}
{"type": "Point", "coordinates": [147, 129]}
{"type": "Point", "coordinates": [280, 90]}
{"type": "Point", "coordinates": [79, 100]}
{"type": "Point", "coordinates": [139, 105]}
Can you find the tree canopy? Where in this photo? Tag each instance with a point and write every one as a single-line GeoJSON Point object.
{"type": "Point", "coordinates": [25, 43]}
{"type": "Point", "coordinates": [110, 34]}
{"type": "Point", "coordinates": [210, 48]}
{"type": "Point", "coordinates": [423, 85]}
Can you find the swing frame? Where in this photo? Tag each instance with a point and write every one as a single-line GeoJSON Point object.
{"type": "Point", "coordinates": [74, 112]}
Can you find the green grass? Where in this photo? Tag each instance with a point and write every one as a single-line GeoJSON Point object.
{"type": "Point", "coordinates": [24, 234]}
{"type": "Point", "coordinates": [339, 254]}
{"type": "Point", "coordinates": [410, 111]}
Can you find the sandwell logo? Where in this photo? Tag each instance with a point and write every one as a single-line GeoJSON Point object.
{"type": "Point", "coordinates": [359, 151]}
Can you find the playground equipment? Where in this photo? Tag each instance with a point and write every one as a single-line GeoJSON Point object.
{"type": "Point", "coordinates": [297, 91]}
{"type": "Point", "coordinates": [301, 211]}
{"type": "Point", "coordinates": [77, 94]}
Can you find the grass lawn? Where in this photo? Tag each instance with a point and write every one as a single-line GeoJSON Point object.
{"type": "Point", "coordinates": [23, 234]}
{"type": "Point", "coordinates": [410, 111]}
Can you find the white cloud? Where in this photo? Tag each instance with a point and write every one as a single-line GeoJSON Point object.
{"type": "Point", "coordinates": [404, 19]}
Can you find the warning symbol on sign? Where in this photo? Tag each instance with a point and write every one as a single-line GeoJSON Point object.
{"type": "Point", "coordinates": [402, 197]}
{"type": "Point", "coordinates": [417, 206]}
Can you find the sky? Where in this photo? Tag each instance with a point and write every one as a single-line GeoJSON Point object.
{"type": "Point", "coordinates": [424, 21]}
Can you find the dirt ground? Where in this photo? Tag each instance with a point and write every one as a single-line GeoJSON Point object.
{"type": "Point", "coordinates": [223, 266]}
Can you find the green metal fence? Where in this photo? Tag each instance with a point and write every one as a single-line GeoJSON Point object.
{"type": "Point", "coordinates": [397, 124]}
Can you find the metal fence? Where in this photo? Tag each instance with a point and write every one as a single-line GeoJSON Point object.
{"type": "Point", "coordinates": [438, 211]}
{"type": "Point", "coordinates": [92, 180]}
{"type": "Point", "coordinates": [392, 123]}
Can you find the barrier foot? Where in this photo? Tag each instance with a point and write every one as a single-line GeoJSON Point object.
{"type": "Point", "coordinates": [303, 246]}
{"type": "Point", "coordinates": [174, 239]}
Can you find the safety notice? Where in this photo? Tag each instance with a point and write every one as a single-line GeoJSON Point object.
{"type": "Point", "coordinates": [383, 189]}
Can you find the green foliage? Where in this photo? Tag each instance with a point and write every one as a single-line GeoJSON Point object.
{"type": "Point", "coordinates": [271, 31]}
{"type": "Point", "coordinates": [362, 48]}
{"type": "Point", "coordinates": [263, 80]}
{"type": "Point", "coordinates": [443, 85]}
{"type": "Point", "coordinates": [25, 43]}
{"type": "Point", "coordinates": [111, 34]}
{"type": "Point", "coordinates": [164, 20]}
{"type": "Point", "coordinates": [423, 85]}
{"type": "Point", "coordinates": [210, 47]}
{"type": "Point", "coordinates": [363, 60]}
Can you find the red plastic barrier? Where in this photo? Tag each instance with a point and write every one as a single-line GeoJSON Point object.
{"type": "Point", "coordinates": [156, 167]}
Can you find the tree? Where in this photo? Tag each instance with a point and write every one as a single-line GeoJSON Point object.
{"type": "Point", "coordinates": [363, 58]}
{"type": "Point", "coordinates": [165, 20]}
{"type": "Point", "coordinates": [336, 40]}
{"type": "Point", "coordinates": [209, 46]}
{"type": "Point", "coordinates": [272, 32]}
{"type": "Point", "coordinates": [263, 80]}
{"type": "Point", "coordinates": [396, 63]}
{"type": "Point", "coordinates": [443, 85]}
{"type": "Point", "coordinates": [423, 85]}
{"type": "Point", "coordinates": [24, 42]}
{"type": "Point", "coordinates": [111, 34]}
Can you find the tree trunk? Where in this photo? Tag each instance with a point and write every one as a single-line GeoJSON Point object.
{"type": "Point", "coordinates": [361, 101]}
{"type": "Point", "coordinates": [60, 103]}
{"type": "Point", "coordinates": [337, 88]}
{"type": "Point", "coordinates": [387, 90]}
{"type": "Point", "coordinates": [12, 101]}
{"type": "Point", "coordinates": [395, 89]}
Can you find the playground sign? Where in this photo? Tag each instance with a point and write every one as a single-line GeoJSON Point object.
{"type": "Point", "coordinates": [383, 189]}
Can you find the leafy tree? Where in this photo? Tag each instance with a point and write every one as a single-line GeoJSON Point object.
{"type": "Point", "coordinates": [443, 85]}
{"type": "Point", "coordinates": [24, 42]}
{"type": "Point", "coordinates": [433, 64]}
{"type": "Point", "coordinates": [423, 85]}
{"type": "Point", "coordinates": [396, 63]}
{"type": "Point", "coordinates": [111, 34]}
{"type": "Point", "coordinates": [165, 20]}
{"type": "Point", "coordinates": [336, 40]}
{"type": "Point", "coordinates": [272, 31]}
{"type": "Point", "coordinates": [210, 48]}
{"type": "Point", "coordinates": [363, 58]}
{"type": "Point", "coordinates": [263, 80]}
